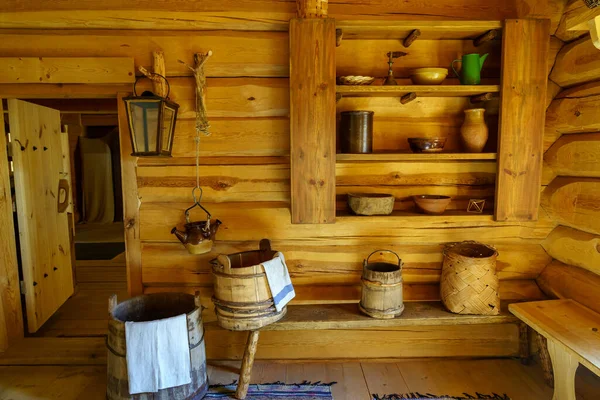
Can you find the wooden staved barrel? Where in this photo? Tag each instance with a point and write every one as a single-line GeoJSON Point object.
{"type": "Point", "coordinates": [148, 308]}
{"type": "Point", "coordinates": [382, 288]}
{"type": "Point", "coordinates": [243, 300]}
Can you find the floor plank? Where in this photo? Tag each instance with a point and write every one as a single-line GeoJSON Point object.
{"type": "Point", "coordinates": [384, 378]}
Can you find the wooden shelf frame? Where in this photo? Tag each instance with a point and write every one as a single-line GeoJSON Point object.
{"type": "Point", "coordinates": [419, 90]}
{"type": "Point", "coordinates": [422, 157]}
{"type": "Point", "coordinates": [449, 217]}
{"type": "Point", "coordinates": [430, 30]}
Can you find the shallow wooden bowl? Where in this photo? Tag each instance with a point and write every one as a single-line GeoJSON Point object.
{"type": "Point", "coordinates": [432, 204]}
{"type": "Point", "coordinates": [355, 80]}
{"type": "Point", "coordinates": [371, 203]}
{"type": "Point", "coordinates": [426, 145]}
{"type": "Point", "coordinates": [428, 76]}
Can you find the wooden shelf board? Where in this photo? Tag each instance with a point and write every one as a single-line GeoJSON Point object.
{"type": "Point", "coordinates": [420, 90]}
{"type": "Point", "coordinates": [432, 157]}
{"type": "Point", "coordinates": [430, 30]}
{"type": "Point", "coordinates": [348, 316]}
{"type": "Point", "coordinates": [448, 217]}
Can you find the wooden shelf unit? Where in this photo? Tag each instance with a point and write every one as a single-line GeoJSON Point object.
{"type": "Point", "coordinates": [448, 218]}
{"type": "Point", "coordinates": [419, 90]}
{"type": "Point", "coordinates": [423, 157]}
{"type": "Point", "coordinates": [430, 30]}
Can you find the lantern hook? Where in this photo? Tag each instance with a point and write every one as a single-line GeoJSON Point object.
{"type": "Point", "coordinates": [148, 77]}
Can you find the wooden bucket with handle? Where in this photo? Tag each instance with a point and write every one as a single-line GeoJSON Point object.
{"type": "Point", "coordinates": [147, 308]}
{"type": "Point", "coordinates": [243, 300]}
{"type": "Point", "coordinates": [382, 288]}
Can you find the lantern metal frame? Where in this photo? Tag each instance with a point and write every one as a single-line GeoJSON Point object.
{"type": "Point", "coordinates": [164, 101]}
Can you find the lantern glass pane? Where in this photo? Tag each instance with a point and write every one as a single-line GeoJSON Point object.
{"type": "Point", "coordinates": [167, 128]}
{"type": "Point", "coordinates": [144, 123]}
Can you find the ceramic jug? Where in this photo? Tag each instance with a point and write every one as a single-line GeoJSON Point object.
{"type": "Point", "coordinates": [474, 132]}
{"type": "Point", "coordinates": [470, 73]}
{"type": "Point", "coordinates": [197, 238]}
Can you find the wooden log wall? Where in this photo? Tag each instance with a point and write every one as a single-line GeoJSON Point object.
{"type": "Point", "coordinates": [245, 162]}
{"type": "Point", "coordinates": [571, 171]}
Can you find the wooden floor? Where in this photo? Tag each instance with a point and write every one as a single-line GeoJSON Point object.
{"type": "Point", "coordinates": [354, 380]}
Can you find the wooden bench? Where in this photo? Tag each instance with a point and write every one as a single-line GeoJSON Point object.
{"type": "Point", "coordinates": [349, 317]}
{"type": "Point", "coordinates": [573, 334]}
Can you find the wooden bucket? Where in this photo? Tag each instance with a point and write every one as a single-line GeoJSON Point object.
{"type": "Point", "coordinates": [243, 300]}
{"type": "Point", "coordinates": [148, 308]}
{"type": "Point", "coordinates": [382, 288]}
{"type": "Point", "coordinates": [469, 283]}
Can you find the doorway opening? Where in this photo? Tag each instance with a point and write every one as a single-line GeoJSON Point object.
{"type": "Point", "coordinates": [92, 147]}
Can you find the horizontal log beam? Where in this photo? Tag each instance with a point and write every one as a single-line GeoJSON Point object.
{"type": "Point", "coordinates": [563, 281]}
{"type": "Point", "coordinates": [574, 202]}
{"type": "Point", "coordinates": [332, 261]}
{"type": "Point", "coordinates": [86, 70]}
{"type": "Point", "coordinates": [574, 247]}
{"type": "Point", "coordinates": [577, 63]}
{"type": "Point", "coordinates": [573, 155]}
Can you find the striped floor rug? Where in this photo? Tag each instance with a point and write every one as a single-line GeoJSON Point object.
{"type": "Point", "coordinates": [429, 396]}
{"type": "Point", "coordinates": [277, 390]}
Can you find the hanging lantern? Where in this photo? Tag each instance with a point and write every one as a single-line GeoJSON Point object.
{"type": "Point", "coordinates": [151, 121]}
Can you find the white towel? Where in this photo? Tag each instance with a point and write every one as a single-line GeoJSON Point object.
{"type": "Point", "coordinates": [158, 354]}
{"type": "Point", "coordinates": [279, 281]}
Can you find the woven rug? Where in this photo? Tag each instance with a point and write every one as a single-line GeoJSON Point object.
{"type": "Point", "coordinates": [276, 390]}
{"type": "Point", "coordinates": [429, 396]}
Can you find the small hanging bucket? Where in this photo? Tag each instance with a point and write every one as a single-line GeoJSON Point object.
{"type": "Point", "coordinates": [469, 283]}
{"type": "Point", "coordinates": [382, 288]}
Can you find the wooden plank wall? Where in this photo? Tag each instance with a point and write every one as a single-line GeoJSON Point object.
{"type": "Point", "coordinates": [571, 171]}
{"type": "Point", "coordinates": [245, 162]}
{"type": "Point", "coordinates": [245, 168]}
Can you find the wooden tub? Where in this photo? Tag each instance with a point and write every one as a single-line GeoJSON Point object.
{"type": "Point", "coordinates": [243, 300]}
{"type": "Point", "coordinates": [148, 308]}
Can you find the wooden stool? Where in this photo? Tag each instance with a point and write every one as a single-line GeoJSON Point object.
{"type": "Point", "coordinates": [247, 363]}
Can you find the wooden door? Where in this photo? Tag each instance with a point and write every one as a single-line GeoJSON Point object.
{"type": "Point", "coordinates": [42, 189]}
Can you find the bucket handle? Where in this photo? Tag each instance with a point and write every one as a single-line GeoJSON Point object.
{"type": "Point", "coordinates": [225, 262]}
{"type": "Point", "coordinates": [386, 251]}
{"type": "Point", "coordinates": [112, 304]}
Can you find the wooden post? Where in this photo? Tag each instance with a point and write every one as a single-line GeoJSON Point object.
{"type": "Point", "coordinates": [131, 204]}
{"type": "Point", "coordinates": [312, 8]}
{"type": "Point", "coordinates": [522, 118]}
{"type": "Point", "coordinates": [11, 314]}
{"type": "Point", "coordinates": [312, 120]}
{"type": "Point", "coordinates": [247, 363]}
{"type": "Point", "coordinates": [407, 98]}
{"type": "Point", "coordinates": [159, 86]}
{"type": "Point", "coordinates": [545, 361]}
{"type": "Point", "coordinates": [411, 37]}
{"type": "Point", "coordinates": [564, 364]}
{"type": "Point", "coordinates": [486, 37]}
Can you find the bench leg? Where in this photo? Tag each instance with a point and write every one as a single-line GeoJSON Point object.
{"type": "Point", "coordinates": [247, 363]}
{"type": "Point", "coordinates": [565, 366]}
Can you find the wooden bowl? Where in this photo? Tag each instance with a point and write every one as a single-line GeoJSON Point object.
{"type": "Point", "coordinates": [371, 203]}
{"type": "Point", "coordinates": [428, 76]}
{"type": "Point", "coordinates": [355, 80]}
{"type": "Point", "coordinates": [432, 204]}
{"type": "Point", "coordinates": [426, 145]}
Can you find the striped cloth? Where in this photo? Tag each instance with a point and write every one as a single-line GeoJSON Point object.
{"type": "Point", "coordinates": [318, 391]}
